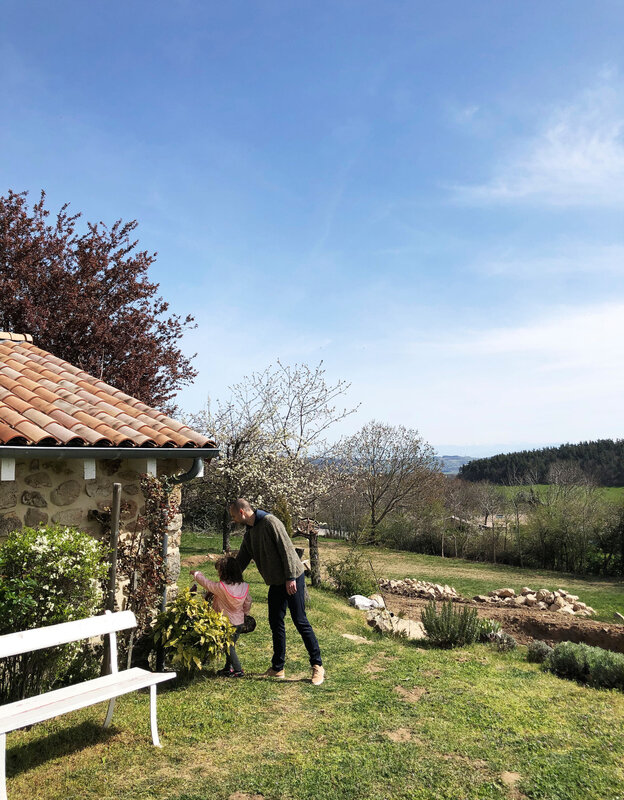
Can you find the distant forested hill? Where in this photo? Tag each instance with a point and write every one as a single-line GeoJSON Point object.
{"type": "Point", "coordinates": [602, 461]}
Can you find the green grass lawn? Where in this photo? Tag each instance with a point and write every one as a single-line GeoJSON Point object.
{"type": "Point", "coordinates": [392, 720]}
{"type": "Point", "coordinates": [613, 494]}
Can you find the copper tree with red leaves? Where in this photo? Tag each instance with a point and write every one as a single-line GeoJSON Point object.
{"type": "Point", "coordinates": [86, 298]}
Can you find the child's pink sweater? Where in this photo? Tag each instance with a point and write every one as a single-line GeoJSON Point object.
{"type": "Point", "coordinates": [231, 598]}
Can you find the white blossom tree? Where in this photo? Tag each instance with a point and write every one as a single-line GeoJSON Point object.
{"type": "Point", "coordinates": [271, 434]}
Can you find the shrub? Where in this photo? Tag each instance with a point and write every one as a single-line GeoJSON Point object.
{"type": "Point", "coordinates": [593, 665]}
{"type": "Point", "coordinates": [487, 627]}
{"type": "Point", "coordinates": [606, 669]}
{"type": "Point", "coordinates": [397, 531]}
{"type": "Point", "coordinates": [352, 575]}
{"type": "Point", "coordinates": [192, 633]}
{"type": "Point", "coordinates": [503, 641]}
{"type": "Point", "coordinates": [450, 627]}
{"type": "Point", "coordinates": [538, 651]}
{"type": "Point", "coordinates": [47, 576]}
{"type": "Point", "coordinates": [569, 660]}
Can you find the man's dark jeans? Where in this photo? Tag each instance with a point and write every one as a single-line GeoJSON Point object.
{"type": "Point", "coordinates": [279, 601]}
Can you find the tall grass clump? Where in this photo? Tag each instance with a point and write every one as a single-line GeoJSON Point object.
{"type": "Point", "coordinates": [487, 629]}
{"type": "Point", "coordinates": [450, 627]}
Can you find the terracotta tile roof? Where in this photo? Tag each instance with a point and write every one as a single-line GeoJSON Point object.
{"type": "Point", "coordinates": [46, 401]}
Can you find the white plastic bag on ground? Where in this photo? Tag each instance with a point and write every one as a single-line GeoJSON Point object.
{"type": "Point", "coordinates": [361, 602]}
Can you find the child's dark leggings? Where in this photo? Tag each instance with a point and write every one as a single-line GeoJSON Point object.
{"type": "Point", "coordinates": [232, 661]}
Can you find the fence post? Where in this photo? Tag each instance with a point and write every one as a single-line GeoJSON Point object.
{"type": "Point", "coordinates": [160, 649]}
{"type": "Point", "coordinates": [112, 572]}
{"type": "Point", "coordinates": [115, 516]}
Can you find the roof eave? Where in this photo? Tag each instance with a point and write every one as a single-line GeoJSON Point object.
{"type": "Point", "coordinates": [59, 452]}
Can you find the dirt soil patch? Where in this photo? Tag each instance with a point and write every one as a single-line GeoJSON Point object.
{"type": "Point", "coordinates": [195, 561]}
{"type": "Point", "coordinates": [355, 638]}
{"type": "Point", "coordinates": [510, 779]}
{"type": "Point", "coordinates": [525, 624]}
{"type": "Point", "coordinates": [402, 735]}
{"type": "Point", "coordinates": [245, 796]}
{"type": "Point", "coordinates": [410, 695]}
{"type": "Point", "coordinates": [378, 664]}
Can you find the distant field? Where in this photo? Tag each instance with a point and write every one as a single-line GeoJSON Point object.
{"type": "Point", "coordinates": [614, 494]}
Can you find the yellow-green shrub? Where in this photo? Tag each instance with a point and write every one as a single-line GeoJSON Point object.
{"type": "Point", "coordinates": [192, 633]}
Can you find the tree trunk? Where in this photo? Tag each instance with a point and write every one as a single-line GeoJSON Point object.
{"type": "Point", "coordinates": [315, 563]}
{"type": "Point", "coordinates": [225, 529]}
{"type": "Point", "coordinates": [373, 524]}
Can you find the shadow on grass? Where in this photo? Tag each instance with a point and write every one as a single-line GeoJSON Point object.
{"type": "Point", "coordinates": [199, 550]}
{"type": "Point", "coordinates": [261, 677]}
{"type": "Point", "coordinates": [183, 681]}
{"type": "Point", "coordinates": [21, 758]}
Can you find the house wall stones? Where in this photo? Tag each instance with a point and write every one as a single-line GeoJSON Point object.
{"type": "Point", "coordinates": [55, 491]}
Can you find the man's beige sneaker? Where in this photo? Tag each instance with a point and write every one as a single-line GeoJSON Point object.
{"type": "Point", "coordinates": [318, 674]}
{"type": "Point", "coordinates": [274, 673]}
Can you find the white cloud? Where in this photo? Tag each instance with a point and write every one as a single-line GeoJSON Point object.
{"type": "Point", "coordinates": [576, 159]}
{"type": "Point", "coordinates": [568, 259]}
{"type": "Point", "coordinates": [590, 338]}
{"type": "Point", "coordinates": [556, 378]}
{"type": "Point", "coordinates": [463, 115]}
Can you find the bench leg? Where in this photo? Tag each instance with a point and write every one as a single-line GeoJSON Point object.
{"type": "Point", "coordinates": [109, 714]}
{"type": "Point", "coordinates": [153, 723]}
{"type": "Point", "coordinates": [3, 794]}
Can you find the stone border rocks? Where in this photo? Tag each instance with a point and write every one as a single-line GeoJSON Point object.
{"type": "Point", "coordinates": [559, 601]}
{"type": "Point", "coordinates": [411, 587]}
{"type": "Point", "coordinates": [386, 622]}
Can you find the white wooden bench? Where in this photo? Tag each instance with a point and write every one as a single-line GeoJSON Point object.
{"type": "Point", "coordinates": [60, 701]}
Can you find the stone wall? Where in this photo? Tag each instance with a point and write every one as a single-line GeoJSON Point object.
{"type": "Point", "coordinates": [56, 491]}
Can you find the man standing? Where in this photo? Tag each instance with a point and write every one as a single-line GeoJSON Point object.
{"type": "Point", "coordinates": [267, 543]}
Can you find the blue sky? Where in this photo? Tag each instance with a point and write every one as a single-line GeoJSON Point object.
{"type": "Point", "coordinates": [428, 197]}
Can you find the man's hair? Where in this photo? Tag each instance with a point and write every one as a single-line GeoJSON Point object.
{"type": "Point", "coordinates": [240, 503]}
{"type": "Point", "coordinates": [228, 570]}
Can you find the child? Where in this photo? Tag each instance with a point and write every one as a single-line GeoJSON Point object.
{"type": "Point", "coordinates": [231, 596]}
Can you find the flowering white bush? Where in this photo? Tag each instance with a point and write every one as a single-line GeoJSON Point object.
{"type": "Point", "coordinates": [271, 435]}
{"type": "Point", "coordinates": [48, 575]}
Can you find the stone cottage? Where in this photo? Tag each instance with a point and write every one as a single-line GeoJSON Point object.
{"type": "Point", "coordinates": [66, 436]}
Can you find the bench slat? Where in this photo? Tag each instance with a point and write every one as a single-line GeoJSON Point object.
{"type": "Point", "coordinates": [70, 698]}
{"type": "Point", "coordinates": [13, 644]}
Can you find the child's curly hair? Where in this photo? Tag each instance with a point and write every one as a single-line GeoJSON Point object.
{"type": "Point", "coordinates": [228, 570]}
